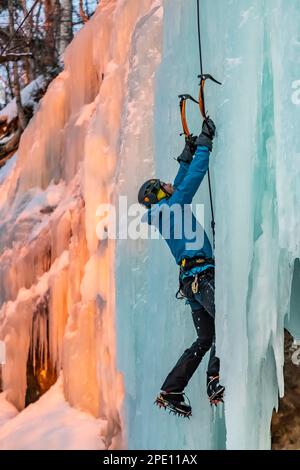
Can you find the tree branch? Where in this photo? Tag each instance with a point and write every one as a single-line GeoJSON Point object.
{"type": "Point", "coordinates": [14, 57]}
{"type": "Point", "coordinates": [82, 13]}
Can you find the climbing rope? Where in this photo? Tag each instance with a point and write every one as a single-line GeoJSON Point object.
{"type": "Point", "coordinates": [199, 36]}
{"type": "Point", "coordinates": [203, 112]}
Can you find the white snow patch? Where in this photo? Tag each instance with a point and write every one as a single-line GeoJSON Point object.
{"type": "Point", "coordinates": [7, 410]}
{"type": "Point", "coordinates": [41, 199]}
{"type": "Point", "coordinates": [7, 168]}
{"type": "Point", "coordinates": [49, 424]}
{"type": "Point", "coordinates": [10, 110]}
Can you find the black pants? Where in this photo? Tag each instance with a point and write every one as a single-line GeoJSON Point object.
{"type": "Point", "coordinates": [203, 312]}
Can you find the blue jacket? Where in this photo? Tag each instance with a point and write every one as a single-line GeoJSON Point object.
{"type": "Point", "coordinates": [173, 217]}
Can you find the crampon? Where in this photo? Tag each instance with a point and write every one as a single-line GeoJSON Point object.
{"type": "Point", "coordinates": [174, 402]}
{"type": "Point", "coordinates": [215, 391]}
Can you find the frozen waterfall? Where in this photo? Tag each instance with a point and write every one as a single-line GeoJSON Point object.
{"type": "Point", "coordinates": [99, 319]}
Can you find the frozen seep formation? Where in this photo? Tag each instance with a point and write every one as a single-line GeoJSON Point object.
{"type": "Point", "coordinates": [256, 175]}
{"type": "Point", "coordinates": [253, 48]}
{"type": "Point", "coordinates": [57, 287]}
{"type": "Point", "coordinates": [104, 312]}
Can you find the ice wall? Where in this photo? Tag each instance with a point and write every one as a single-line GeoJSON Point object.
{"type": "Point", "coordinates": [153, 327]}
{"type": "Point", "coordinates": [57, 285]}
{"type": "Point", "coordinates": [256, 173]}
{"type": "Point", "coordinates": [94, 309]}
{"type": "Point", "coordinates": [253, 48]}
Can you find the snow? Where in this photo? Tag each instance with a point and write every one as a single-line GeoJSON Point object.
{"type": "Point", "coordinates": [7, 169]}
{"type": "Point", "coordinates": [7, 410]}
{"type": "Point", "coordinates": [27, 96]}
{"type": "Point", "coordinates": [51, 424]}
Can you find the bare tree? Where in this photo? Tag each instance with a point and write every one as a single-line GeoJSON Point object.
{"type": "Point", "coordinates": [27, 62]}
{"type": "Point", "coordinates": [16, 82]}
{"type": "Point", "coordinates": [84, 15]}
{"type": "Point", "coordinates": [33, 38]}
{"type": "Point", "coordinates": [66, 30]}
{"type": "Point", "coordinates": [14, 57]}
{"type": "Point", "coordinates": [49, 6]}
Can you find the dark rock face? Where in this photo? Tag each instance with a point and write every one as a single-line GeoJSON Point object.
{"type": "Point", "coordinates": [286, 423]}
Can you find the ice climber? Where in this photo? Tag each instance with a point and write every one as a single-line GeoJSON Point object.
{"type": "Point", "coordinates": [169, 211]}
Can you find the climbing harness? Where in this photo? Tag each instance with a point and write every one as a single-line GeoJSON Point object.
{"type": "Point", "coordinates": [188, 263]}
{"type": "Point", "coordinates": [191, 285]}
{"type": "Point", "coordinates": [201, 102]}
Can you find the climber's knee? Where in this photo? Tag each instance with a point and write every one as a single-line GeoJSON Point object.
{"type": "Point", "coordinates": [204, 344]}
{"type": "Point", "coordinates": [200, 347]}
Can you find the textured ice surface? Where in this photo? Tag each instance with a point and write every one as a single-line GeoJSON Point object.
{"type": "Point", "coordinates": [108, 122]}
{"type": "Point", "coordinates": [256, 173]}
{"type": "Point", "coordinates": [57, 284]}
{"type": "Point", "coordinates": [153, 327]}
{"type": "Point", "coordinates": [253, 48]}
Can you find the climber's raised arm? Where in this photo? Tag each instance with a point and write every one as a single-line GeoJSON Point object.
{"type": "Point", "coordinates": [190, 176]}
{"type": "Point", "coordinates": [185, 159]}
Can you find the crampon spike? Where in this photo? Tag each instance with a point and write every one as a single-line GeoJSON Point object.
{"type": "Point", "coordinates": [161, 403]}
{"type": "Point", "coordinates": [216, 401]}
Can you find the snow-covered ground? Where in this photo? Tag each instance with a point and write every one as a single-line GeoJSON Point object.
{"type": "Point", "coordinates": [50, 423]}
{"type": "Point", "coordinates": [7, 410]}
{"type": "Point", "coordinates": [9, 112]}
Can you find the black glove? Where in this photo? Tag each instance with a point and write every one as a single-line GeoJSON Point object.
{"type": "Point", "coordinates": [207, 134]}
{"type": "Point", "coordinates": [189, 149]}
